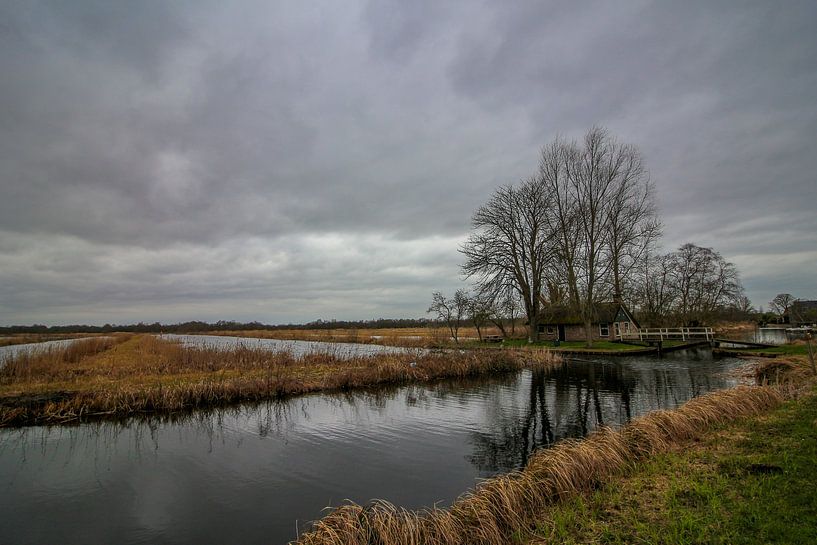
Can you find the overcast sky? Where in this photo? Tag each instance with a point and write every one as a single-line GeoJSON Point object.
{"type": "Point", "coordinates": [253, 161]}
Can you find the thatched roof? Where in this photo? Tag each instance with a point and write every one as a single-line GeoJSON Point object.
{"type": "Point", "coordinates": [604, 313]}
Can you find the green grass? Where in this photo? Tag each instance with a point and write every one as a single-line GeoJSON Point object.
{"type": "Point", "coordinates": [783, 349]}
{"type": "Point", "coordinates": [748, 483]}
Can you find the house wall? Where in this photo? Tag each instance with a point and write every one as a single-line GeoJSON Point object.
{"type": "Point", "coordinates": [574, 332]}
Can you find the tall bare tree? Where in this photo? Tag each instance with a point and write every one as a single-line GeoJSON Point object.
{"type": "Point", "coordinates": [633, 220]}
{"type": "Point", "coordinates": [612, 216]}
{"type": "Point", "coordinates": [562, 222]}
{"type": "Point", "coordinates": [510, 245]}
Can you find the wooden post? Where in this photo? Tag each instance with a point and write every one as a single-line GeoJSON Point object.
{"type": "Point", "coordinates": [810, 353]}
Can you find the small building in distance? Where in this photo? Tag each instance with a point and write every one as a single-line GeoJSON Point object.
{"type": "Point", "coordinates": [801, 313]}
{"type": "Point", "coordinates": [613, 320]}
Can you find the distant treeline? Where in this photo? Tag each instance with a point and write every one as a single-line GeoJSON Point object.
{"type": "Point", "coordinates": [221, 325]}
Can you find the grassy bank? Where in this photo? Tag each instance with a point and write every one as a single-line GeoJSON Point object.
{"type": "Point", "coordinates": [750, 482]}
{"type": "Point", "coordinates": [510, 508]}
{"type": "Point", "coordinates": [129, 375]}
{"type": "Point", "coordinates": [571, 346]}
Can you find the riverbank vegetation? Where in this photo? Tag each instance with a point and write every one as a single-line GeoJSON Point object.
{"type": "Point", "coordinates": [749, 482]}
{"type": "Point", "coordinates": [540, 502]}
{"type": "Point", "coordinates": [137, 374]}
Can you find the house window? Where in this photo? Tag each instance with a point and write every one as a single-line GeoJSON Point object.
{"type": "Point", "coordinates": [541, 328]}
{"type": "Point", "coordinates": [551, 330]}
{"type": "Point", "coordinates": [626, 327]}
{"type": "Point", "coordinates": [604, 330]}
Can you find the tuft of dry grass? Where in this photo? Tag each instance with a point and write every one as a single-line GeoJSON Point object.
{"type": "Point", "coordinates": [142, 374]}
{"type": "Point", "coordinates": [507, 506]}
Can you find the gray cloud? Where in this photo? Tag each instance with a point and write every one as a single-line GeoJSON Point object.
{"type": "Point", "coordinates": [265, 161]}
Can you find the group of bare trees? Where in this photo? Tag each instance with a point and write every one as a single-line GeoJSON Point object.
{"type": "Point", "coordinates": [479, 309]}
{"type": "Point", "coordinates": [687, 287]}
{"type": "Point", "coordinates": [570, 235]}
{"type": "Point", "coordinates": [583, 230]}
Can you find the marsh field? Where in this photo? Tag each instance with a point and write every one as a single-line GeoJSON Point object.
{"type": "Point", "coordinates": [259, 471]}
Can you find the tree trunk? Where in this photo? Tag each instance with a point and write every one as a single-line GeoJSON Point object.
{"type": "Point", "coordinates": [533, 332]}
{"type": "Point", "coordinates": [588, 333]}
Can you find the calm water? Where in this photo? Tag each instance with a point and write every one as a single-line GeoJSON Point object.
{"type": "Point", "coordinates": [257, 474]}
{"type": "Point", "coordinates": [297, 348]}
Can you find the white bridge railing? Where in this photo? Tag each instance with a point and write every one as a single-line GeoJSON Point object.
{"type": "Point", "coordinates": [669, 334]}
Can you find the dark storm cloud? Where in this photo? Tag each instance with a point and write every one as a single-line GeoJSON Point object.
{"type": "Point", "coordinates": [277, 161]}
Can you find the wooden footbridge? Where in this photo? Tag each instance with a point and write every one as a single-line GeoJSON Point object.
{"type": "Point", "coordinates": [650, 334]}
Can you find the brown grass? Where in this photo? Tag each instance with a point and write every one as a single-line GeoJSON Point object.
{"type": "Point", "coordinates": [506, 507]}
{"type": "Point", "coordinates": [27, 338]}
{"type": "Point", "coordinates": [142, 374]}
{"type": "Point", "coordinates": [416, 337]}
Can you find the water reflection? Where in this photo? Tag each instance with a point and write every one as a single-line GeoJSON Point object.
{"type": "Point", "coordinates": [257, 473]}
{"type": "Point", "coordinates": [578, 397]}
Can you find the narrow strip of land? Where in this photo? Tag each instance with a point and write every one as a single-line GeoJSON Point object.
{"type": "Point", "coordinates": [138, 374]}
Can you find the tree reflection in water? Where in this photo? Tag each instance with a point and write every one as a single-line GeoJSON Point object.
{"type": "Point", "coordinates": [574, 399]}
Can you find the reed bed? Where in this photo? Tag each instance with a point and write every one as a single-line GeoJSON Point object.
{"type": "Point", "coordinates": [412, 337]}
{"type": "Point", "coordinates": [505, 508]}
{"type": "Point", "coordinates": [53, 360]}
{"type": "Point", "coordinates": [144, 374]}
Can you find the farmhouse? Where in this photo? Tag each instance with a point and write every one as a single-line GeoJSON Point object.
{"type": "Point", "coordinates": [612, 320]}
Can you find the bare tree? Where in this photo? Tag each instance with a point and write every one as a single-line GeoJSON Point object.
{"type": "Point", "coordinates": [615, 217]}
{"type": "Point", "coordinates": [705, 282]}
{"type": "Point", "coordinates": [562, 221]}
{"type": "Point", "coordinates": [577, 229]}
{"type": "Point", "coordinates": [502, 310]}
{"type": "Point", "coordinates": [781, 304]}
{"type": "Point", "coordinates": [655, 290]}
{"type": "Point", "coordinates": [479, 312]}
{"type": "Point", "coordinates": [450, 311]}
{"type": "Point", "coordinates": [633, 223]}
{"type": "Point", "coordinates": [509, 247]}
{"type": "Point", "coordinates": [744, 305]}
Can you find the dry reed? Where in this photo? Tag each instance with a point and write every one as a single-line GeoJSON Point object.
{"type": "Point", "coordinates": [509, 504]}
{"type": "Point", "coordinates": [413, 337]}
{"type": "Point", "coordinates": [148, 374]}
